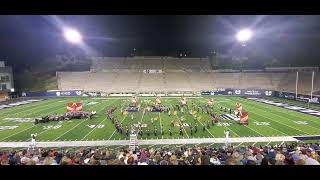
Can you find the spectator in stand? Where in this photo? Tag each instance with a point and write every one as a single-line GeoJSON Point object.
{"type": "Point", "coordinates": [303, 154]}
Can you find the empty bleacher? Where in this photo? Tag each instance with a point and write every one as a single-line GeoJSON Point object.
{"type": "Point", "coordinates": [128, 75]}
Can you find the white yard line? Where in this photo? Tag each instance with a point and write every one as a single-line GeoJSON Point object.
{"type": "Point", "coordinates": [93, 129]}
{"type": "Point", "coordinates": [35, 125]}
{"type": "Point", "coordinates": [26, 107]}
{"type": "Point", "coordinates": [25, 129]}
{"type": "Point", "coordinates": [291, 119]}
{"type": "Point", "coordinates": [279, 121]}
{"type": "Point", "coordinates": [206, 128]}
{"type": "Point", "coordinates": [144, 111]}
{"type": "Point", "coordinates": [70, 129]}
{"type": "Point", "coordinates": [238, 145]}
{"type": "Point", "coordinates": [230, 130]}
{"type": "Point", "coordinates": [89, 109]}
{"type": "Point", "coordinates": [275, 129]}
{"type": "Point", "coordinates": [116, 130]}
{"type": "Point", "coordinates": [180, 122]}
{"type": "Point", "coordinates": [303, 117]}
{"type": "Point", "coordinates": [95, 126]}
{"type": "Point", "coordinates": [34, 112]}
{"type": "Point", "coordinates": [120, 122]}
{"type": "Point", "coordinates": [17, 133]}
{"type": "Point", "coordinates": [47, 129]}
{"type": "Point", "coordinates": [255, 131]}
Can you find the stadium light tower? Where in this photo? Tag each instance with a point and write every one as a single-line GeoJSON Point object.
{"type": "Point", "coordinates": [244, 35]}
{"type": "Point", "coordinates": [72, 35]}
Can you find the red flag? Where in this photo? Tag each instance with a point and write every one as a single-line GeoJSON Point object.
{"type": "Point", "coordinates": [244, 118]}
{"type": "Point", "coordinates": [74, 106]}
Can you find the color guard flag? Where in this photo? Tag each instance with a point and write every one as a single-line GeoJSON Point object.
{"type": "Point", "coordinates": [72, 106]}
{"type": "Point", "coordinates": [239, 107]}
{"type": "Point", "coordinates": [244, 118]}
{"type": "Point", "coordinates": [134, 99]}
{"type": "Point", "coordinates": [183, 100]}
{"type": "Point", "coordinates": [158, 100]}
{"type": "Point", "coordinates": [210, 101]}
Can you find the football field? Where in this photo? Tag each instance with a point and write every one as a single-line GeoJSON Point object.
{"type": "Point", "coordinates": [16, 124]}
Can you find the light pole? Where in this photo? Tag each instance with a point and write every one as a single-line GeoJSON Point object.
{"type": "Point", "coordinates": [243, 36]}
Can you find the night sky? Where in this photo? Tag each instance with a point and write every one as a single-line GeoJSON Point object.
{"type": "Point", "coordinates": [294, 40]}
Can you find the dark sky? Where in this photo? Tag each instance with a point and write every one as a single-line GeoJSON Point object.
{"type": "Point", "coordinates": [291, 39]}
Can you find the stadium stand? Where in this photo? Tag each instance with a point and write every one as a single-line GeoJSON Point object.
{"type": "Point", "coordinates": [284, 154]}
{"type": "Point", "coordinates": [111, 74]}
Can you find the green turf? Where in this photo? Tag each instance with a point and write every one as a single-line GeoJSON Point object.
{"type": "Point", "coordinates": [282, 122]}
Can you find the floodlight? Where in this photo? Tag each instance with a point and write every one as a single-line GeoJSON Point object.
{"type": "Point", "coordinates": [72, 35]}
{"type": "Point", "coordinates": [244, 35]}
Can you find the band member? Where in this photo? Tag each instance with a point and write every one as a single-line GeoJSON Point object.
{"type": "Point", "coordinates": [172, 123]}
{"type": "Point", "coordinates": [33, 139]}
{"type": "Point", "coordinates": [127, 131]}
{"type": "Point", "coordinates": [191, 130]}
{"type": "Point", "coordinates": [169, 113]}
{"type": "Point", "coordinates": [155, 131]}
{"type": "Point", "coordinates": [220, 108]}
{"type": "Point", "coordinates": [208, 125]}
{"type": "Point", "coordinates": [182, 119]}
{"type": "Point", "coordinates": [120, 128]}
{"type": "Point", "coordinates": [195, 128]}
{"type": "Point", "coordinates": [131, 116]}
{"type": "Point", "coordinates": [148, 132]}
{"type": "Point", "coordinates": [170, 133]}
{"type": "Point", "coordinates": [230, 111]}
{"type": "Point", "coordinates": [203, 128]}
{"type": "Point", "coordinates": [225, 109]}
{"type": "Point", "coordinates": [180, 130]}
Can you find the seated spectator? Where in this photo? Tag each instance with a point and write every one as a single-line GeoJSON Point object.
{"type": "Point", "coordinates": [230, 161]}
{"type": "Point", "coordinates": [300, 162]}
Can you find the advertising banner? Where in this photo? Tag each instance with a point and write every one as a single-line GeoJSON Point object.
{"type": "Point", "coordinates": [52, 93]}
{"type": "Point", "coordinates": [300, 97]}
